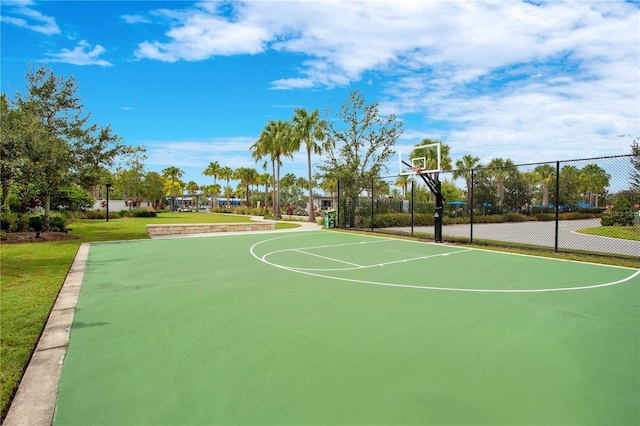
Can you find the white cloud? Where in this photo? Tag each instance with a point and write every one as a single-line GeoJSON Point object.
{"type": "Point", "coordinates": [527, 81]}
{"type": "Point", "coordinates": [19, 13]}
{"type": "Point", "coordinates": [135, 19]}
{"type": "Point", "coordinates": [83, 54]}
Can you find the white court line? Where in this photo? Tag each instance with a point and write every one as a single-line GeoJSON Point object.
{"type": "Point", "coordinates": [468, 290]}
{"type": "Point", "coordinates": [375, 265]}
{"type": "Point", "coordinates": [324, 257]}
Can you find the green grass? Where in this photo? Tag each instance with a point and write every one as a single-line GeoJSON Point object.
{"type": "Point", "coordinates": [621, 232]}
{"type": "Point", "coordinates": [32, 275]}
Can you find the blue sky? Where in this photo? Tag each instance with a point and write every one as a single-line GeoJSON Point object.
{"type": "Point", "coordinates": [196, 82]}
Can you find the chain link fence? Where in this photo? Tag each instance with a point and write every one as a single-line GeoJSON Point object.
{"type": "Point", "coordinates": [587, 206]}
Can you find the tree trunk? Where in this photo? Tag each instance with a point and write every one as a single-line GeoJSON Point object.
{"type": "Point", "coordinates": [6, 186]}
{"type": "Point", "coordinates": [47, 211]}
{"type": "Point", "coordinates": [312, 215]}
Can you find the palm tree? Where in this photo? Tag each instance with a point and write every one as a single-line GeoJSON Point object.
{"type": "Point", "coordinates": [500, 168]}
{"type": "Point", "coordinates": [464, 168]}
{"type": "Point", "coordinates": [545, 174]}
{"type": "Point", "coordinates": [214, 190]}
{"type": "Point", "coordinates": [595, 179]}
{"type": "Point", "coordinates": [192, 188]}
{"type": "Point", "coordinates": [173, 173]}
{"type": "Point", "coordinates": [213, 169]}
{"type": "Point", "coordinates": [246, 176]}
{"type": "Point", "coordinates": [265, 179]}
{"type": "Point", "coordinates": [310, 129]}
{"type": "Point", "coordinates": [226, 173]}
{"type": "Point", "coordinates": [275, 141]}
{"type": "Point", "coordinates": [403, 182]}
{"type": "Point", "coordinates": [329, 184]}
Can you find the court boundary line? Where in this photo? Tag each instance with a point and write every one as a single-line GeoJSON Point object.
{"type": "Point", "coordinates": [467, 290]}
{"type": "Point", "coordinates": [375, 265]}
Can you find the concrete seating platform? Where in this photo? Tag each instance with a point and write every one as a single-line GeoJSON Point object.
{"type": "Point", "coordinates": [205, 228]}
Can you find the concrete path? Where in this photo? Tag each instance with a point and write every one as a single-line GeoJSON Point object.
{"type": "Point", "coordinates": [35, 401]}
{"type": "Point", "coordinates": [540, 233]}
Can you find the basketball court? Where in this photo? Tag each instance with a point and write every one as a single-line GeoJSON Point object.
{"type": "Point", "coordinates": [324, 327]}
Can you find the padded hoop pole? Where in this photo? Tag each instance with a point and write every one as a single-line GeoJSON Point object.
{"type": "Point", "coordinates": [436, 188]}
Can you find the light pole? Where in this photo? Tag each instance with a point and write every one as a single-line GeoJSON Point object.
{"type": "Point", "coordinates": [108, 186]}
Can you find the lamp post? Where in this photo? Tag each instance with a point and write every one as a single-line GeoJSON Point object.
{"type": "Point", "coordinates": [108, 186]}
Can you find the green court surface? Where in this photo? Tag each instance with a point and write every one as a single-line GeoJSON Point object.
{"type": "Point", "coordinates": [321, 328]}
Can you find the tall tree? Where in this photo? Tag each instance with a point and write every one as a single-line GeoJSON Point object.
{"type": "Point", "coordinates": [310, 129]}
{"type": "Point", "coordinates": [153, 188]}
{"type": "Point", "coordinates": [14, 131]}
{"type": "Point", "coordinates": [213, 169]}
{"type": "Point", "coordinates": [403, 182]}
{"type": "Point", "coordinates": [635, 162]}
{"type": "Point", "coordinates": [247, 176]}
{"type": "Point", "coordinates": [172, 173]}
{"type": "Point", "coordinates": [500, 168]}
{"type": "Point", "coordinates": [265, 179]}
{"type": "Point", "coordinates": [464, 167]}
{"type": "Point", "coordinates": [360, 142]}
{"type": "Point", "coordinates": [226, 173]}
{"type": "Point", "coordinates": [544, 174]}
{"type": "Point", "coordinates": [595, 179]}
{"type": "Point", "coordinates": [275, 142]}
{"type": "Point", "coordinates": [66, 147]}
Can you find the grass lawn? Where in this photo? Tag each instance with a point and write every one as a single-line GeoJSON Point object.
{"type": "Point", "coordinates": [622, 232]}
{"type": "Point", "coordinates": [33, 273]}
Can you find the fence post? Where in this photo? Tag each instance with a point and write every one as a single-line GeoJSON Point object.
{"type": "Point", "coordinates": [471, 210]}
{"type": "Point", "coordinates": [557, 204]}
{"type": "Point", "coordinates": [411, 208]}
{"type": "Point", "coordinates": [372, 196]}
{"type": "Point", "coordinates": [338, 207]}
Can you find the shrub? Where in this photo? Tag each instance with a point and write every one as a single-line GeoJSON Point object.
{"type": "Point", "coordinates": [7, 219]}
{"type": "Point", "coordinates": [514, 217]}
{"type": "Point", "coordinates": [621, 214]}
{"type": "Point", "coordinates": [57, 223]}
{"type": "Point", "coordinates": [36, 223]}
{"type": "Point", "coordinates": [144, 213]}
{"type": "Point", "coordinates": [21, 224]}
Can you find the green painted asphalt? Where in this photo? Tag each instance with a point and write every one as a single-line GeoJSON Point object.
{"type": "Point", "coordinates": [264, 329]}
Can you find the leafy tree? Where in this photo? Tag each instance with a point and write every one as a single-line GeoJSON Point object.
{"type": "Point", "coordinates": [72, 198]}
{"type": "Point", "coordinates": [310, 129]}
{"type": "Point", "coordinates": [518, 191]}
{"type": "Point", "coordinates": [57, 146]}
{"type": "Point", "coordinates": [360, 142]}
{"type": "Point", "coordinates": [14, 131]}
{"type": "Point", "coordinates": [635, 162]}
{"type": "Point", "coordinates": [173, 174]}
{"type": "Point", "coordinates": [569, 184]}
{"type": "Point", "coordinates": [130, 182]}
{"type": "Point", "coordinates": [152, 192]}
